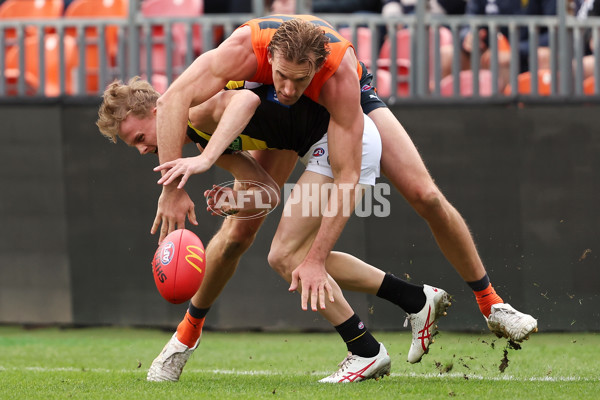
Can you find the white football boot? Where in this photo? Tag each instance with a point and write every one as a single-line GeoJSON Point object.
{"type": "Point", "coordinates": [507, 322]}
{"type": "Point", "coordinates": [355, 368]}
{"type": "Point", "coordinates": [170, 362]}
{"type": "Point", "coordinates": [423, 322]}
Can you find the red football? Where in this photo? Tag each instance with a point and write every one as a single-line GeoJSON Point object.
{"type": "Point", "coordinates": [178, 266]}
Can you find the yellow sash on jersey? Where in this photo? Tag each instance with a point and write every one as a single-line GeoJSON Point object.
{"type": "Point", "coordinates": [242, 142]}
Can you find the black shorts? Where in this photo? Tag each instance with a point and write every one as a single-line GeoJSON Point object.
{"type": "Point", "coordinates": [369, 100]}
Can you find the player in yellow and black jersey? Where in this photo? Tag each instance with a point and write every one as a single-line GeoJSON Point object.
{"type": "Point", "coordinates": [274, 125]}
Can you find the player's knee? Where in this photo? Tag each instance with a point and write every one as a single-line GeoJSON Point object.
{"type": "Point", "coordinates": [429, 203]}
{"type": "Point", "coordinates": [279, 259]}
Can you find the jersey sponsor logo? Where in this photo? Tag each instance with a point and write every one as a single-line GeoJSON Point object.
{"type": "Point", "coordinates": [366, 87]}
{"type": "Point", "coordinates": [332, 38]}
{"type": "Point", "coordinates": [236, 145]}
{"type": "Point", "coordinates": [318, 152]}
{"type": "Point", "coordinates": [272, 96]}
{"type": "Point", "coordinates": [269, 24]}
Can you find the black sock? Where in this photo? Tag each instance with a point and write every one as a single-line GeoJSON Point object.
{"type": "Point", "coordinates": [409, 297]}
{"type": "Point", "coordinates": [358, 339]}
{"type": "Point", "coordinates": [480, 285]}
{"type": "Point", "coordinates": [197, 312]}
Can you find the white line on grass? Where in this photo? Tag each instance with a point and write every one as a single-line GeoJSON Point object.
{"type": "Point", "coordinates": [321, 374]}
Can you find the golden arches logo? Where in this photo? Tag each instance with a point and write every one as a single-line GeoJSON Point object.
{"type": "Point", "coordinates": [194, 256]}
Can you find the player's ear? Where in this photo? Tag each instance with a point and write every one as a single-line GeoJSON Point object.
{"type": "Point", "coordinates": [270, 57]}
{"type": "Point", "coordinates": [154, 111]}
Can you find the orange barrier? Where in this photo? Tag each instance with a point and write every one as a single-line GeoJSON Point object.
{"type": "Point", "coordinates": [29, 9]}
{"type": "Point", "coordinates": [32, 65]}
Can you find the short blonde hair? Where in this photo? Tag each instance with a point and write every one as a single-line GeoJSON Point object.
{"type": "Point", "coordinates": [298, 41]}
{"type": "Point", "coordinates": [137, 97]}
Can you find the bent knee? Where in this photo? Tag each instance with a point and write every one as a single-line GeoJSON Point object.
{"type": "Point", "coordinates": [429, 203]}
{"type": "Point", "coordinates": [280, 261]}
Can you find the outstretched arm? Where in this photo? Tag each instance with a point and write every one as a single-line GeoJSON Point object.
{"type": "Point", "coordinates": [341, 97]}
{"type": "Point", "coordinates": [233, 110]}
{"type": "Point", "coordinates": [208, 74]}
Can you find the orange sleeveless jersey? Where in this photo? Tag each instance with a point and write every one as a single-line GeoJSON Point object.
{"type": "Point", "coordinates": [263, 30]}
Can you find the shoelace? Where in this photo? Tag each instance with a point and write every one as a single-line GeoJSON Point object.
{"type": "Point", "coordinates": [345, 362]}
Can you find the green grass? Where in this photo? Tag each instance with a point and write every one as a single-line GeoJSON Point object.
{"type": "Point", "coordinates": [111, 363]}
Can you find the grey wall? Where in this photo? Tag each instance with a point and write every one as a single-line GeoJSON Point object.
{"type": "Point", "coordinates": [76, 212]}
{"type": "Point", "coordinates": [35, 282]}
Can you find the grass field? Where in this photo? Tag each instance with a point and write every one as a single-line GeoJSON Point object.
{"type": "Point", "coordinates": [111, 363]}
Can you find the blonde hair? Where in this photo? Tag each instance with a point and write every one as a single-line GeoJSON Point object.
{"type": "Point", "coordinates": [137, 97]}
{"type": "Point", "coordinates": [298, 41]}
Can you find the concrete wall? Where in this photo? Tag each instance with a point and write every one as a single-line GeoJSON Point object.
{"type": "Point", "coordinates": [76, 212]}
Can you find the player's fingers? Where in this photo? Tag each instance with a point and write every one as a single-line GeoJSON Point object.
{"type": "Point", "coordinates": [294, 285]}
{"type": "Point", "coordinates": [165, 175]}
{"type": "Point", "coordinates": [329, 292]}
{"type": "Point", "coordinates": [322, 298]}
{"type": "Point", "coordinates": [181, 223]}
{"type": "Point", "coordinates": [168, 177]}
{"type": "Point", "coordinates": [164, 166]}
{"type": "Point", "coordinates": [192, 216]}
{"type": "Point", "coordinates": [184, 179]}
{"type": "Point", "coordinates": [173, 174]}
{"type": "Point", "coordinates": [162, 179]}
{"type": "Point", "coordinates": [314, 297]}
{"type": "Point", "coordinates": [304, 297]}
{"type": "Point", "coordinates": [164, 230]}
{"type": "Point", "coordinates": [172, 225]}
{"type": "Point", "coordinates": [155, 225]}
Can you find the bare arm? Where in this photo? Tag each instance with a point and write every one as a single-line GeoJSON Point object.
{"type": "Point", "coordinates": [233, 59]}
{"type": "Point", "coordinates": [204, 78]}
{"type": "Point", "coordinates": [341, 97]}
{"type": "Point", "coordinates": [233, 111]}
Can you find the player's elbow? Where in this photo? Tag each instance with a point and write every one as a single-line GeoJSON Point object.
{"type": "Point", "coordinates": [163, 100]}
{"type": "Point", "coordinates": [249, 99]}
{"type": "Point", "coordinates": [350, 175]}
{"type": "Point", "coordinates": [176, 93]}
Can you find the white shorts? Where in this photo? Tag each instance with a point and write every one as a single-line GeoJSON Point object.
{"type": "Point", "coordinates": [316, 158]}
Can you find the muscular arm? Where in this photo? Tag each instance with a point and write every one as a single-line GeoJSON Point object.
{"type": "Point", "coordinates": [205, 77]}
{"type": "Point", "coordinates": [230, 111]}
{"type": "Point", "coordinates": [233, 59]}
{"type": "Point", "coordinates": [341, 96]}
